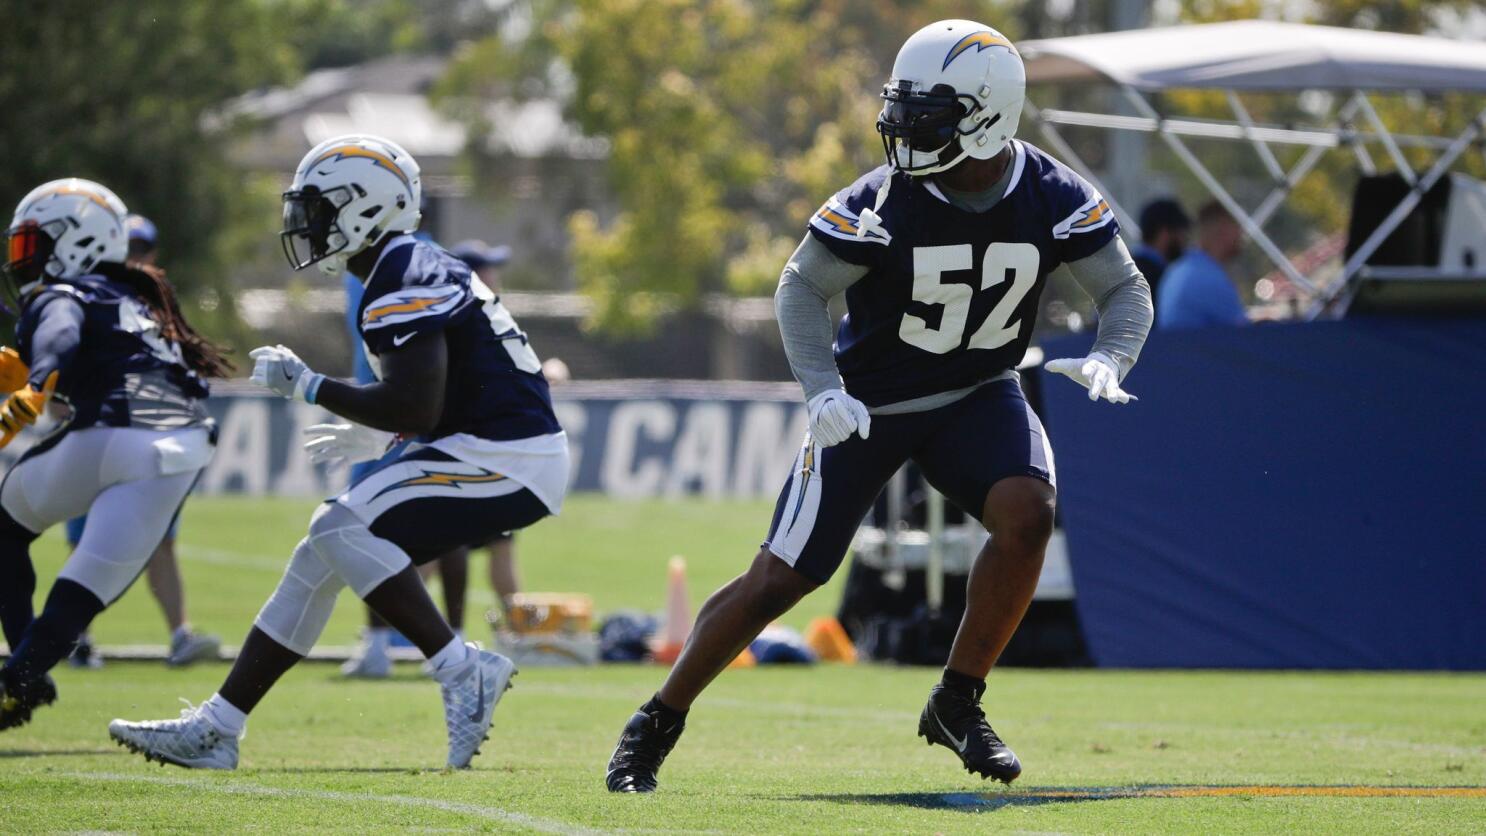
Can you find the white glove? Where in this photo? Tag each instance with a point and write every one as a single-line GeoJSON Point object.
{"type": "Point", "coordinates": [1098, 373]}
{"type": "Point", "coordinates": [835, 415]}
{"type": "Point", "coordinates": [280, 370]}
{"type": "Point", "coordinates": [352, 442]}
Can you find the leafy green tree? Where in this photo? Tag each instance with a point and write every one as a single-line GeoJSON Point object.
{"type": "Point", "coordinates": [124, 93]}
{"type": "Point", "coordinates": [116, 92]}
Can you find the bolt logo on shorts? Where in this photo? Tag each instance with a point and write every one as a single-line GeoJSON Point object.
{"type": "Point", "coordinates": [424, 473]}
{"type": "Point", "coordinates": [441, 479]}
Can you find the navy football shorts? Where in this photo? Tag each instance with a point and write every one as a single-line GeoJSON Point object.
{"type": "Point", "coordinates": [429, 503]}
{"type": "Point", "coordinates": [963, 449]}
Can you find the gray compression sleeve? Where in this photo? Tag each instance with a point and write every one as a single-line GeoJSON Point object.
{"type": "Point", "coordinates": [813, 275]}
{"type": "Point", "coordinates": [1123, 299]}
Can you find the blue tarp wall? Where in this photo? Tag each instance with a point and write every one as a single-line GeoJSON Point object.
{"type": "Point", "coordinates": [1283, 496]}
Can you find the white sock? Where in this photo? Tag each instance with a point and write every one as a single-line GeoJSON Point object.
{"type": "Point", "coordinates": [228, 718]}
{"type": "Point", "coordinates": [449, 662]}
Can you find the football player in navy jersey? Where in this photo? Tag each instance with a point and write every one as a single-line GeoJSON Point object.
{"type": "Point", "coordinates": [457, 378]}
{"type": "Point", "coordinates": [103, 347]}
{"type": "Point", "coordinates": [942, 254]}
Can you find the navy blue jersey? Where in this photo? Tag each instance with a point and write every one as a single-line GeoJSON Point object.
{"type": "Point", "coordinates": [114, 366]}
{"type": "Point", "coordinates": [495, 388]}
{"type": "Point", "coordinates": [950, 296]}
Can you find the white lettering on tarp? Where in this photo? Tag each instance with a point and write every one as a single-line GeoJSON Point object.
{"type": "Point", "coordinates": [621, 475]}
{"type": "Point", "coordinates": [299, 477]}
{"type": "Point", "coordinates": [658, 446]}
{"type": "Point", "coordinates": [699, 462]}
{"type": "Point", "coordinates": [574, 420]}
{"type": "Point", "coordinates": [766, 448]}
{"type": "Point", "coordinates": [242, 449]}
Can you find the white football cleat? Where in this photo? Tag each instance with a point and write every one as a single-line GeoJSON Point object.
{"type": "Point", "coordinates": [191, 741]}
{"type": "Point", "coordinates": [469, 704]}
{"type": "Point", "coordinates": [368, 662]}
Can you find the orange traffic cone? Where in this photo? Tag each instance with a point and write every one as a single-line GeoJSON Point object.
{"type": "Point", "coordinates": [828, 639]}
{"type": "Point", "coordinates": [743, 660]}
{"type": "Point", "coordinates": [678, 614]}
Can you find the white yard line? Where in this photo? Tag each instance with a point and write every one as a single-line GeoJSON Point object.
{"type": "Point", "coordinates": [495, 814]}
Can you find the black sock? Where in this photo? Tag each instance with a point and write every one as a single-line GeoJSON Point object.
{"type": "Point", "coordinates": [69, 609]}
{"type": "Point", "coordinates": [956, 681]}
{"type": "Point", "coordinates": [667, 713]}
{"type": "Point", "coordinates": [17, 580]}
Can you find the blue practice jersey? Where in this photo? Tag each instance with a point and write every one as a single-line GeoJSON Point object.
{"type": "Point", "coordinates": [950, 296]}
{"type": "Point", "coordinates": [495, 388]}
{"type": "Point", "coordinates": [115, 367]}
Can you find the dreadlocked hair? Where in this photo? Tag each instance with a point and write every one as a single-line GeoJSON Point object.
{"type": "Point", "coordinates": [201, 355]}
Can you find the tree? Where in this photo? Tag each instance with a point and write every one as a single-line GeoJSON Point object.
{"type": "Point", "coordinates": [729, 122]}
{"type": "Point", "coordinates": [116, 92]}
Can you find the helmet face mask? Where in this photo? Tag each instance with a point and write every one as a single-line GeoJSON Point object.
{"type": "Point", "coordinates": [918, 127]}
{"type": "Point", "coordinates": [312, 230]}
{"type": "Point", "coordinates": [30, 247]}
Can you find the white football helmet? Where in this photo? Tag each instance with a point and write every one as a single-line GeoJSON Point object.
{"type": "Point", "coordinates": [349, 192]}
{"type": "Point", "coordinates": [63, 229]}
{"type": "Point", "coordinates": [957, 86]}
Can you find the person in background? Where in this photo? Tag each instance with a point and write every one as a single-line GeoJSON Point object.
{"type": "Point", "coordinates": [488, 262]}
{"type": "Point", "coordinates": [1197, 290]}
{"type": "Point", "coordinates": [1164, 229]}
{"type": "Point", "coordinates": [163, 571]}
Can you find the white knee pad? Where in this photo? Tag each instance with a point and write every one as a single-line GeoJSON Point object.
{"type": "Point", "coordinates": [299, 608]}
{"type": "Point", "coordinates": [347, 546]}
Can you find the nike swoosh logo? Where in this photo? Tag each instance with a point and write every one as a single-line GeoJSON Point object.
{"type": "Point", "coordinates": [959, 743]}
{"type": "Point", "coordinates": [479, 711]}
{"type": "Point", "coordinates": [398, 341]}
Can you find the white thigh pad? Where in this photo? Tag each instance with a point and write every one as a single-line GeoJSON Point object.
{"type": "Point", "coordinates": [296, 614]}
{"type": "Point", "coordinates": [362, 559]}
{"type": "Point", "coordinates": [125, 523]}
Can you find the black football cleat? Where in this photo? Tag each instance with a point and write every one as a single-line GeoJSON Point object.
{"type": "Point", "coordinates": [955, 720]}
{"type": "Point", "coordinates": [19, 698]}
{"type": "Point", "coordinates": [643, 745]}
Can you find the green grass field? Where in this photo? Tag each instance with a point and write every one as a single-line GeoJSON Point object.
{"type": "Point", "coordinates": [826, 749]}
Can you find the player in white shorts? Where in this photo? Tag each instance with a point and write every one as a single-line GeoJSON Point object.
{"type": "Point", "coordinates": [103, 346]}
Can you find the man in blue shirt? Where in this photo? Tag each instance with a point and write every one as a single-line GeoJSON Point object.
{"type": "Point", "coordinates": [1196, 291]}
{"type": "Point", "coordinates": [1164, 228]}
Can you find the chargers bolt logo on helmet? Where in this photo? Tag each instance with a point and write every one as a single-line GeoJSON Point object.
{"type": "Point", "coordinates": [62, 230]}
{"type": "Point", "coordinates": [348, 193]}
{"type": "Point", "coordinates": [956, 91]}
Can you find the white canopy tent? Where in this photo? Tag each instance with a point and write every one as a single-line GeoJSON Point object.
{"type": "Point", "coordinates": [1271, 57]}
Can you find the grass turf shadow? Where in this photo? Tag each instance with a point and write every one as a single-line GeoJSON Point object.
{"type": "Point", "coordinates": [53, 753]}
{"type": "Point", "coordinates": [976, 802]}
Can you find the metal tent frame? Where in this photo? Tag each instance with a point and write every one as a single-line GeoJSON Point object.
{"type": "Point", "coordinates": [1354, 126]}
